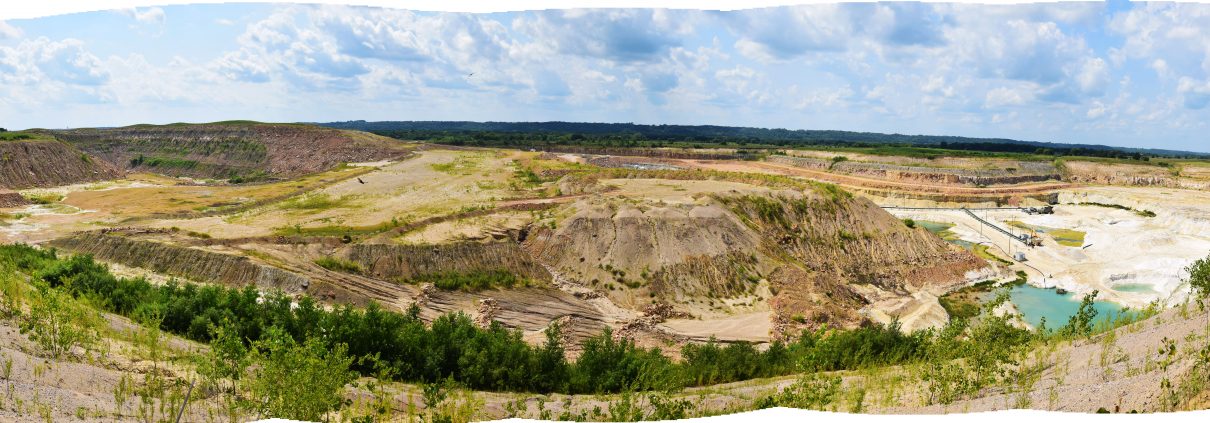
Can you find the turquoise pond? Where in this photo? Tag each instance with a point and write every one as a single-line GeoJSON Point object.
{"type": "Point", "coordinates": [1135, 287]}
{"type": "Point", "coordinates": [1035, 303]}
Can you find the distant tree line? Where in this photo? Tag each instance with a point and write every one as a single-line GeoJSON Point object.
{"type": "Point", "coordinates": [531, 134]}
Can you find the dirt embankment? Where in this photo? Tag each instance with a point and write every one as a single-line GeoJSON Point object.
{"type": "Point", "coordinates": [659, 153]}
{"type": "Point", "coordinates": [1020, 172]}
{"type": "Point", "coordinates": [46, 163]}
{"type": "Point", "coordinates": [232, 150]}
{"type": "Point", "coordinates": [813, 258]}
{"type": "Point", "coordinates": [397, 262]}
{"type": "Point", "coordinates": [12, 199]}
{"type": "Point", "coordinates": [675, 252]}
{"type": "Point", "coordinates": [846, 252]}
{"type": "Point", "coordinates": [1123, 174]}
{"type": "Point", "coordinates": [184, 262]}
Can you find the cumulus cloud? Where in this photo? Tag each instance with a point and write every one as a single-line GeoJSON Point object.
{"type": "Point", "coordinates": [625, 35]}
{"type": "Point", "coordinates": [43, 60]}
{"type": "Point", "coordinates": [790, 32]}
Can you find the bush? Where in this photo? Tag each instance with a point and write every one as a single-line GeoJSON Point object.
{"type": "Point", "coordinates": [339, 265]}
{"type": "Point", "coordinates": [297, 381]}
{"type": "Point", "coordinates": [472, 281]}
{"type": "Point", "coordinates": [58, 324]}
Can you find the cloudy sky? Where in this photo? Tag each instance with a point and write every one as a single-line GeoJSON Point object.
{"type": "Point", "coordinates": [1109, 73]}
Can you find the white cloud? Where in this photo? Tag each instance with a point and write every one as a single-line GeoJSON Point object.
{"type": "Point", "coordinates": [622, 35]}
{"type": "Point", "coordinates": [151, 15]}
{"type": "Point", "coordinates": [8, 31]}
{"type": "Point", "coordinates": [1002, 96]}
{"type": "Point", "coordinates": [1097, 110]}
{"type": "Point", "coordinates": [1195, 94]}
{"type": "Point", "coordinates": [786, 33]}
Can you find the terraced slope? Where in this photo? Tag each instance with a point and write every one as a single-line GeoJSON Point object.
{"type": "Point", "coordinates": [812, 258]}
{"type": "Point", "coordinates": [232, 150]}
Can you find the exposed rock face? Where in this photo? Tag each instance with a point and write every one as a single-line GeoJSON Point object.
{"type": "Point", "coordinates": [1121, 174]}
{"type": "Point", "coordinates": [394, 262]}
{"type": "Point", "coordinates": [678, 251]}
{"type": "Point", "coordinates": [845, 252]}
{"type": "Point", "coordinates": [232, 150]}
{"type": "Point", "coordinates": [184, 262]}
{"type": "Point", "coordinates": [46, 163]}
{"type": "Point", "coordinates": [822, 254]}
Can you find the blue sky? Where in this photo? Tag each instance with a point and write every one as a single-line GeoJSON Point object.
{"type": "Point", "coordinates": [1131, 74]}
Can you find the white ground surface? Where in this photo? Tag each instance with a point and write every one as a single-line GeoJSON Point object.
{"type": "Point", "coordinates": [1121, 248]}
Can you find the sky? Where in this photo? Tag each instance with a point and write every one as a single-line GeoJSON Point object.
{"type": "Point", "coordinates": [1116, 73]}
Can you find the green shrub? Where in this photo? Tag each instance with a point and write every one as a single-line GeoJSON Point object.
{"type": "Point", "coordinates": [472, 281]}
{"type": "Point", "coordinates": [337, 264]}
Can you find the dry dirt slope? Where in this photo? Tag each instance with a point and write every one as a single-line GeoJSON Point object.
{"type": "Point", "coordinates": [815, 257]}
{"type": "Point", "coordinates": [232, 149]}
{"type": "Point", "coordinates": [45, 162]}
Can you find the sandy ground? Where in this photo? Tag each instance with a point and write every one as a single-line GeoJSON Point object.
{"type": "Point", "coordinates": [752, 327]}
{"type": "Point", "coordinates": [1122, 251]}
{"type": "Point", "coordinates": [408, 190]}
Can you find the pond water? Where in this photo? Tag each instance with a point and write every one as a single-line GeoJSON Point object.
{"type": "Point", "coordinates": [942, 230]}
{"type": "Point", "coordinates": [934, 227]}
{"type": "Point", "coordinates": [1035, 303]}
{"type": "Point", "coordinates": [1135, 287]}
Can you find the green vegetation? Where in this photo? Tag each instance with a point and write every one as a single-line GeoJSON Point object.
{"type": "Point", "coordinates": [17, 136]}
{"type": "Point", "coordinates": [1199, 277]}
{"type": "Point", "coordinates": [1144, 213]}
{"type": "Point", "coordinates": [163, 163]}
{"type": "Point", "coordinates": [314, 202]}
{"type": "Point", "coordinates": [983, 251]}
{"type": "Point", "coordinates": [966, 302]}
{"type": "Point", "coordinates": [43, 197]}
{"type": "Point", "coordinates": [461, 165]}
{"type": "Point", "coordinates": [472, 281]}
{"type": "Point", "coordinates": [275, 355]}
{"type": "Point", "coordinates": [494, 358]}
{"type": "Point", "coordinates": [1066, 237]}
{"type": "Point", "coordinates": [626, 135]}
{"type": "Point", "coordinates": [910, 223]}
{"type": "Point", "coordinates": [338, 264]}
{"type": "Point", "coordinates": [297, 381]}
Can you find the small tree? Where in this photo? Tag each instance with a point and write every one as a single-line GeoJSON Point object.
{"type": "Point", "coordinates": [1199, 277]}
{"type": "Point", "coordinates": [58, 324]}
{"type": "Point", "coordinates": [1080, 324]}
{"type": "Point", "coordinates": [297, 381]}
{"type": "Point", "coordinates": [227, 358]}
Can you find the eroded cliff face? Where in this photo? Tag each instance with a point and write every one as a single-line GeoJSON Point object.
{"type": "Point", "coordinates": [46, 163]}
{"type": "Point", "coordinates": [854, 238]}
{"type": "Point", "coordinates": [669, 251]}
{"type": "Point", "coordinates": [815, 257]}
{"type": "Point", "coordinates": [232, 150]}
{"type": "Point", "coordinates": [184, 262]}
{"type": "Point", "coordinates": [400, 262]}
